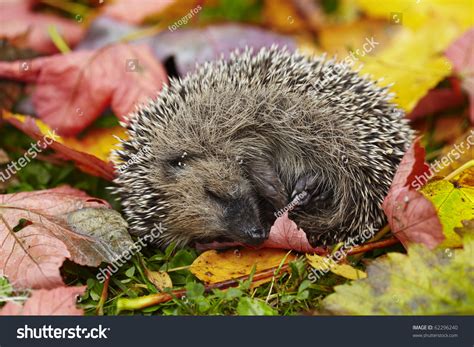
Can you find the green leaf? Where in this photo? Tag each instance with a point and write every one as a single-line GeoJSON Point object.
{"type": "Point", "coordinates": [130, 272]}
{"type": "Point", "coordinates": [194, 290]}
{"type": "Point", "coordinates": [423, 282]}
{"type": "Point", "coordinates": [453, 199]}
{"type": "Point", "coordinates": [233, 293]}
{"type": "Point", "coordinates": [254, 307]}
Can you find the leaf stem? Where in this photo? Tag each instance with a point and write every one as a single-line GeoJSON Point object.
{"type": "Point", "coordinates": [456, 172]}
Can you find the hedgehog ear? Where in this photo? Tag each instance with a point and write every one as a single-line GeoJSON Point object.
{"type": "Point", "coordinates": [267, 183]}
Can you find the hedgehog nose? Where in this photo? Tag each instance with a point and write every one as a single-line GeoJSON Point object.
{"type": "Point", "coordinates": [256, 236]}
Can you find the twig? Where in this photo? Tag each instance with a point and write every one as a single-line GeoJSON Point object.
{"type": "Point", "coordinates": [373, 245]}
{"type": "Point", "coordinates": [103, 297]}
{"type": "Point", "coordinates": [456, 172]}
{"type": "Point", "coordinates": [154, 299]}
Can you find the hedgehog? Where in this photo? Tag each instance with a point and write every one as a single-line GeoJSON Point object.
{"type": "Point", "coordinates": [219, 152]}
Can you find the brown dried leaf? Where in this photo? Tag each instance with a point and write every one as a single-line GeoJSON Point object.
{"type": "Point", "coordinates": [39, 230]}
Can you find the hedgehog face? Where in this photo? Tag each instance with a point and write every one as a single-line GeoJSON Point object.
{"type": "Point", "coordinates": [212, 199]}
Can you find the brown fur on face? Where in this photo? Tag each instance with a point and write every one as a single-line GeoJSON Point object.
{"type": "Point", "coordinates": [210, 198]}
{"type": "Point", "coordinates": [236, 141]}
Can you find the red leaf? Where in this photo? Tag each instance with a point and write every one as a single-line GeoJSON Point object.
{"type": "Point", "coordinates": [436, 101]}
{"type": "Point", "coordinates": [31, 257]}
{"type": "Point", "coordinates": [411, 216]}
{"type": "Point", "coordinates": [55, 302]}
{"type": "Point", "coordinates": [72, 90]}
{"type": "Point", "coordinates": [18, 19]}
{"type": "Point", "coordinates": [129, 11]}
{"type": "Point", "coordinates": [286, 234]}
{"type": "Point", "coordinates": [460, 53]}
{"type": "Point", "coordinates": [86, 162]}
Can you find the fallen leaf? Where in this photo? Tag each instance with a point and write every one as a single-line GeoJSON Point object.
{"type": "Point", "coordinates": [461, 55]}
{"type": "Point", "coordinates": [416, 14]}
{"type": "Point", "coordinates": [285, 234]}
{"type": "Point", "coordinates": [86, 162]}
{"type": "Point", "coordinates": [324, 264]}
{"type": "Point", "coordinates": [423, 282]}
{"type": "Point", "coordinates": [411, 216]}
{"type": "Point", "coordinates": [466, 229]}
{"type": "Point", "coordinates": [160, 279]}
{"type": "Point", "coordinates": [59, 301]}
{"type": "Point", "coordinates": [97, 142]}
{"type": "Point", "coordinates": [105, 227]}
{"type": "Point", "coordinates": [412, 62]}
{"type": "Point", "coordinates": [128, 11]}
{"type": "Point", "coordinates": [454, 202]}
{"type": "Point", "coordinates": [18, 19]}
{"type": "Point", "coordinates": [73, 89]}
{"type": "Point", "coordinates": [283, 16]}
{"type": "Point", "coordinates": [104, 30]}
{"type": "Point", "coordinates": [435, 101]}
{"type": "Point", "coordinates": [213, 266]}
{"type": "Point", "coordinates": [459, 153]}
{"type": "Point", "coordinates": [342, 39]}
{"type": "Point", "coordinates": [447, 128]}
{"type": "Point", "coordinates": [39, 230]}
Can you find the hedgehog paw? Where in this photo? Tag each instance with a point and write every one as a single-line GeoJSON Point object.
{"type": "Point", "coordinates": [304, 190]}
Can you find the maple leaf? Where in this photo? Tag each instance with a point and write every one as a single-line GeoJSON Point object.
{"type": "Point", "coordinates": [73, 89]}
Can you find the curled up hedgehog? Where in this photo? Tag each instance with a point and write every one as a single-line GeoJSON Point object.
{"type": "Point", "coordinates": [238, 140]}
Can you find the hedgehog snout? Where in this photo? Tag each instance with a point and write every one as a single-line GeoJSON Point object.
{"type": "Point", "coordinates": [240, 214]}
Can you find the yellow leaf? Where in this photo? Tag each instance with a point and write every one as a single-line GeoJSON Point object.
{"type": "Point", "coordinates": [281, 15]}
{"type": "Point", "coordinates": [213, 266]}
{"type": "Point", "coordinates": [97, 142]}
{"type": "Point", "coordinates": [413, 62]}
{"type": "Point", "coordinates": [415, 14]}
{"type": "Point", "coordinates": [342, 39]}
{"type": "Point", "coordinates": [453, 199]}
{"type": "Point", "coordinates": [160, 279]}
{"type": "Point", "coordinates": [324, 264]}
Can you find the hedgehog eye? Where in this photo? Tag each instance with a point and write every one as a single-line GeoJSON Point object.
{"type": "Point", "coordinates": [177, 163]}
{"type": "Point", "coordinates": [180, 162]}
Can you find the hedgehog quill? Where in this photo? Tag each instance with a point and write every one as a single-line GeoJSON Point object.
{"type": "Point", "coordinates": [238, 140]}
